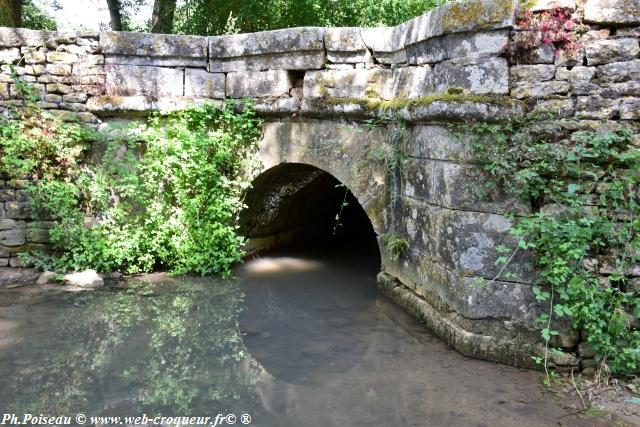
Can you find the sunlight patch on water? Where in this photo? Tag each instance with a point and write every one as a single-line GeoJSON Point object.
{"type": "Point", "coordinates": [282, 264]}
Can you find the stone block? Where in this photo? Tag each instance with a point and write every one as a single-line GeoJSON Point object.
{"type": "Point", "coordinates": [13, 237]}
{"type": "Point", "coordinates": [540, 89]}
{"type": "Point", "coordinates": [458, 17]}
{"type": "Point", "coordinates": [605, 51]}
{"type": "Point", "coordinates": [345, 45]}
{"type": "Point", "coordinates": [37, 235]}
{"type": "Point", "coordinates": [617, 12]}
{"type": "Point", "coordinates": [455, 186]}
{"type": "Point", "coordinates": [153, 49]}
{"type": "Point", "coordinates": [35, 69]}
{"type": "Point", "coordinates": [457, 46]}
{"type": "Point", "coordinates": [372, 83]}
{"type": "Point", "coordinates": [477, 75]}
{"type": "Point", "coordinates": [619, 71]}
{"type": "Point", "coordinates": [542, 5]}
{"type": "Point", "coordinates": [35, 57]}
{"type": "Point", "coordinates": [49, 98]}
{"type": "Point", "coordinates": [58, 88]}
{"type": "Point", "coordinates": [560, 108]}
{"type": "Point", "coordinates": [533, 73]}
{"type": "Point", "coordinates": [154, 82]}
{"type": "Point", "coordinates": [7, 224]}
{"type": "Point", "coordinates": [201, 84]}
{"type": "Point", "coordinates": [413, 82]}
{"type": "Point", "coordinates": [438, 143]}
{"type": "Point", "coordinates": [596, 107]}
{"type": "Point", "coordinates": [258, 84]}
{"type": "Point", "coordinates": [75, 97]}
{"type": "Point", "coordinates": [576, 73]}
{"type": "Point", "coordinates": [62, 57]}
{"type": "Point", "coordinates": [58, 69]}
{"type": "Point", "coordinates": [17, 37]}
{"type": "Point", "coordinates": [289, 49]}
{"type": "Point", "coordinates": [385, 47]}
{"type": "Point", "coordinates": [9, 56]}
{"type": "Point", "coordinates": [630, 109]}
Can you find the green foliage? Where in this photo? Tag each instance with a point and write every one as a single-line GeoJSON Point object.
{"type": "Point", "coordinates": [396, 246]}
{"type": "Point", "coordinates": [35, 18]}
{"type": "Point", "coordinates": [165, 194]}
{"type": "Point", "coordinates": [591, 179]}
{"type": "Point", "coordinates": [210, 17]}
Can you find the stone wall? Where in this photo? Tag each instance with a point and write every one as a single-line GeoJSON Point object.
{"type": "Point", "coordinates": [314, 86]}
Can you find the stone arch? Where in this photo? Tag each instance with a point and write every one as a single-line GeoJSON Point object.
{"type": "Point", "coordinates": [298, 203]}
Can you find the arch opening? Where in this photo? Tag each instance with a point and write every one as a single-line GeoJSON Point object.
{"type": "Point", "coordinates": [295, 206]}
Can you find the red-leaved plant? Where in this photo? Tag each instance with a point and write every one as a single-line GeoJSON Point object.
{"type": "Point", "coordinates": [556, 28]}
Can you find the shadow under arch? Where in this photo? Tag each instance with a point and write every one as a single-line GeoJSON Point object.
{"type": "Point", "coordinates": [312, 289]}
{"type": "Point", "coordinates": [300, 205]}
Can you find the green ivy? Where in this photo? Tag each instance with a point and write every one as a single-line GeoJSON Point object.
{"type": "Point", "coordinates": [165, 194]}
{"type": "Point", "coordinates": [584, 190]}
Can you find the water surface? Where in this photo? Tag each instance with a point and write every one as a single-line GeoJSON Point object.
{"type": "Point", "coordinates": [295, 340]}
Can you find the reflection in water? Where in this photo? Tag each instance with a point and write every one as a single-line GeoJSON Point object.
{"type": "Point", "coordinates": [310, 344]}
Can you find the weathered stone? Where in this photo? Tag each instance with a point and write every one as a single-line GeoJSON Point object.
{"type": "Point", "coordinates": [153, 49]}
{"type": "Point", "coordinates": [533, 73]}
{"type": "Point", "coordinates": [200, 83]}
{"type": "Point", "coordinates": [258, 84]}
{"type": "Point", "coordinates": [35, 69]}
{"type": "Point", "coordinates": [438, 143]}
{"type": "Point", "coordinates": [630, 109]}
{"type": "Point", "coordinates": [611, 50]}
{"type": "Point", "coordinates": [35, 57]}
{"type": "Point", "coordinates": [62, 57]}
{"type": "Point", "coordinates": [290, 49]}
{"type": "Point", "coordinates": [584, 350]}
{"type": "Point", "coordinates": [16, 37]}
{"type": "Point", "coordinates": [618, 12]}
{"type": "Point", "coordinates": [616, 90]}
{"type": "Point", "coordinates": [7, 224]}
{"type": "Point", "coordinates": [46, 277]}
{"type": "Point", "coordinates": [13, 237]}
{"type": "Point", "coordinates": [155, 82]}
{"type": "Point", "coordinates": [46, 78]}
{"type": "Point", "coordinates": [303, 60]}
{"type": "Point", "coordinates": [628, 32]}
{"type": "Point", "coordinates": [49, 98]}
{"type": "Point", "coordinates": [480, 76]}
{"type": "Point", "coordinates": [58, 69]}
{"type": "Point", "coordinates": [542, 5]}
{"type": "Point", "coordinates": [596, 107]}
{"type": "Point", "coordinates": [619, 71]}
{"type": "Point", "coordinates": [540, 90]}
{"type": "Point", "coordinates": [559, 108]}
{"type": "Point", "coordinates": [465, 45]}
{"type": "Point", "coordinates": [576, 73]}
{"type": "Point", "coordinates": [86, 279]}
{"type": "Point", "coordinates": [457, 17]}
{"type": "Point", "coordinates": [568, 58]}
{"type": "Point", "coordinates": [373, 83]}
{"type": "Point", "coordinates": [9, 56]}
{"type": "Point", "coordinates": [75, 97]}
{"type": "Point", "coordinates": [455, 186]}
{"type": "Point", "coordinates": [345, 45]}
{"type": "Point", "coordinates": [412, 82]}
{"type": "Point", "coordinates": [58, 88]}
{"type": "Point", "coordinates": [384, 47]}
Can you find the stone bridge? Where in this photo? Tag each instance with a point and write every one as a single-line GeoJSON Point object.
{"type": "Point", "coordinates": [343, 104]}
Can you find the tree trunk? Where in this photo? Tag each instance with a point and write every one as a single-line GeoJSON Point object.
{"type": "Point", "coordinates": [162, 18]}
{"type": "Point", "coordinates": [10, 13]}
{"type": "Point", "coordinates": [114, 13]}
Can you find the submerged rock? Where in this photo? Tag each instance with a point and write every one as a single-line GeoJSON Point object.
{"type": "Point", "coordinates": [85, 279]}
{"type": "Point", "coordinates": [46, 277]}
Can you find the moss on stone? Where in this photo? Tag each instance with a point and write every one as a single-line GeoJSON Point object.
{"type": "Point", "coordinates": [400, 103]}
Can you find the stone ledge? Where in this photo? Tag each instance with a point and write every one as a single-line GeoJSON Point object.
{"type": "Point", "coordinates": [153, 49]}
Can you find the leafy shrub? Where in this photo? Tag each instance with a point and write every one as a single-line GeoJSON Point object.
{"type": "Point", "coordinates": [165, 194]}
{"type": "Point", "coordinates": [592, 179]}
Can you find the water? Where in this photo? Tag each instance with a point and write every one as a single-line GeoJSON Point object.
{"type": "Point", "coordinates": [295, 340]}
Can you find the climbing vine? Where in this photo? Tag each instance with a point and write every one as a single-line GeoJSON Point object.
{"type": "Point", "coordinates": [585, 229]}
{"type": "Point", "coordinates": [164, 194]}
